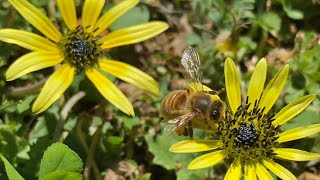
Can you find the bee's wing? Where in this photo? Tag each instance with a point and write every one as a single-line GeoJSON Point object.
{"type": "Point", "coordinates": [169, 128]}
{"type": "Point", "coordinates": [191, 62]}
{"type": "Point", "coordinates": [180, 121]}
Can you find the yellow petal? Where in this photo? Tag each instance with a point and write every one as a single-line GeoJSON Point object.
{"type": "Point", "coordinates": [292, 109]}
{"type": "Point", "coordinates": [133, 34]}
{"type": "Point", "coordinates": [110, 91]}
{"type": "Point", "coordinates": [256, 83]}
{"type": "Point", "coordinates": [55, 86]}
{"type": "Point", "coordinates": [90, 13]}
{"type": "Point", "coordinates": [298, 133]}
{"type": "Point", "coordinates": [232, 81]}
{"type": "Point", "coordinates": [27, 40]}
{"type": "Point", "coordinates": [207, 160]}
{"type": "Point", "coordinates": [189, 146]}
{"type": "Point", "coordinates": [68, 12]}
{"type": "Point", "coordinates": [278, 170]}
{"type": "Point", "coordinates": [274, 88]}
{"type": "Point", "coordinates": [113, 14]}
{"type": "Point", "coordinates": [130, 74]}
{"type": "Point", "coordinates": [37, 19]}
{"type": "Point", "coordinates": [295, 154]}
{"type": "Point", "coordinates": [262, 172]}
{"type": "Point", "coordinates": [32, 62]}
{"type": "Point", "coordinates": [249, 171]}
{"type": "Point", "coordinates": [234, 171]}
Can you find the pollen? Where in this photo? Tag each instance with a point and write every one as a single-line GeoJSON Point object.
{"type": "Point", "coordinates": [80, 49]}
{"type": "Point", "coordinates": [248, 134]}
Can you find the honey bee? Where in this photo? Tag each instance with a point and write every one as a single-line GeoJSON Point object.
{"type": "Point", "coordinates": [195, 107]}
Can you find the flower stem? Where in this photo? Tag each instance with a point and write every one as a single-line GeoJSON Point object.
{"type": "Point", "coordinates": [92, 149]}
{"type": "Point", "coordinates": [90, 163]}
{"type": "Point", "coordinates": [52, 9]}
{"type": "Point", "coordinates": [25, 90]}
{"type": "Point", "coordinates": [9, 19]}
{"type": "Point", "coordinates": [64, 114]}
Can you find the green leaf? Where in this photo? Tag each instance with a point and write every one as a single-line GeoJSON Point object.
{"type": "Point", "coordinates": [8, 145]}
{"type": "Point", "coordinates": [59, 157]}
{"type": "Point", "coordinates": [25, 104]}
{"type": "Point", "coordinates": [146, 176]}
{"type": "Point", "coordinates": [160, 148]}
{"type": "Point", "coordinates": [292, 13]}
{"type": "Point", "coordinates": [38, 131]}
{"type": "Point", "coordinates": [185, 174]}
{"type": "Point", "coordinates": [128, 121]}
{"type": "Point", "coordinates": [247, 43]}
{"type": "Point", "coordinates": [270, 21]}
{"type": "Point", "coordinates": [62, 175]}
{"type": "Point", "coordinates": [299, 80]}
{"type": "Point", "coordinates": [11, 172]}
{"type": "Point", "coordinates": [193, 39]}
{"type": "Point", "coordinates": [115, 140]}
{"type": "Point", "coordinates": [307, 117]}
{"type": "Point", "coordinates": [135, 16]}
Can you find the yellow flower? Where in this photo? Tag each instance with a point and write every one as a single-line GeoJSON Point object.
{"type": "Point", "coordinates": [79, 50]}
{"type": "Point", "coordinates": [250, 136]}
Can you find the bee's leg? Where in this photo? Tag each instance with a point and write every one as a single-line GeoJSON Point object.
{"type": "Point", "coordinates": [186, 132]}
{"type": "Point", "coordinates": [190, 130]}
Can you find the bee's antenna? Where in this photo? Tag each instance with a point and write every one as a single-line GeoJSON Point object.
{"type": "Point", "coordinates": [216, 92]}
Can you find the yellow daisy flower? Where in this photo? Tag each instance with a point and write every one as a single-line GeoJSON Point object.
{"type": "Point", "coordinates": [79, 50]}
{"type": "Point", "coordinates": [250, 136]}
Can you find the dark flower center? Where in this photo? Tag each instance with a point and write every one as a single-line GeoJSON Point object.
{"type": "Point", "coordinates": [80, 49]}
{"type": "Point", "coordinates": [248, 134]}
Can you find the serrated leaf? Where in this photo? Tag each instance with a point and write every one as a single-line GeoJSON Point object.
{"type": "Point", "coordinates": [38, 131]}
{"type": "Point", "coordinates": [248, 43]}
{"type": "Point", "coordinates": [62, 175]}
{"type": "Point", "coordinates": [11, 171]}
{"type": "Point", "coordinates": [270, 21]}
{"type": "Point", "coordinates": [59, 157]}
{"type": "Point", "coordinates": [129, 122]}
{"type": "Point", "coordinates": [25, 104]}
{"type": "Point", "coordinates": [160, 148]}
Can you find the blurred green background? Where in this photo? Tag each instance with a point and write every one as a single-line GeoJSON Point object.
{"type": "Point", "coordinates": [282, 31]}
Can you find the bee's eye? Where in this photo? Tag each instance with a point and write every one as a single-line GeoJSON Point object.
{"type": "Point", "coordinates": [215, 114]}
{"type": "Point", "coordinates": [216, 110]}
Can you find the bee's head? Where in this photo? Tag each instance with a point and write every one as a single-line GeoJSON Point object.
{"type": "Point", "coordinates": [217, 110]}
